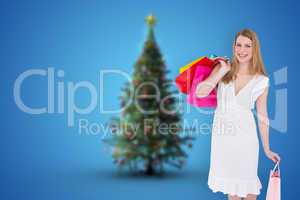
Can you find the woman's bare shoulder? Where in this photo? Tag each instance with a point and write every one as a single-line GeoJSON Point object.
{"type": "Point", "coordinates": [262, 77]}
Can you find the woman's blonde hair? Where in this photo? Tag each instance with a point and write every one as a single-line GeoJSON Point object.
{"type": "Point", "coordinates": [256, 65]}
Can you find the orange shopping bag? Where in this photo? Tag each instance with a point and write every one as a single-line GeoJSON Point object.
{"type": "Point", "coordinates": [273, 192]}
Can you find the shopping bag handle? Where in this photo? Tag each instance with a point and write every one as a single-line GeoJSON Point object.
{"type": "Point", "coordinates": [217, 61]}
{"type": "Point", "coordinates": [276, 166]}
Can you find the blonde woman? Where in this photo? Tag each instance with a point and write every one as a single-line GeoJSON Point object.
{"type": "Point", "coordinates": [241, 83]}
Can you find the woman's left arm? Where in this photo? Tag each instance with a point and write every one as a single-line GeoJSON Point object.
{"type": "Point", "coordinates": [263, 123]}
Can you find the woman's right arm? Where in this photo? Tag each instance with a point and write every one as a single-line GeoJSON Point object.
{"type": "Point", "coordinates": [205, 87]}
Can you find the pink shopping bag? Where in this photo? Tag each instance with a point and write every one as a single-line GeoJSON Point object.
{"type": "Point", "coordinates": [273, 191]}
{"type": "Point", "coordinates": [201, 73]}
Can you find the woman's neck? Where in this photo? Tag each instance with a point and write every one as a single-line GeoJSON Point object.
{"type": "Point", "coordinates": [243, 68]}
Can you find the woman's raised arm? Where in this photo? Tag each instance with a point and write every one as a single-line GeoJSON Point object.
{"type": "Point", "coordinates": [205, 87]}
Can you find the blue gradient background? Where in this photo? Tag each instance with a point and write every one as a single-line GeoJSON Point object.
{"type": "Point", "coordinates": [42, 158]}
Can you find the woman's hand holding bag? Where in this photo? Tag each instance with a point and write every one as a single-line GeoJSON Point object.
{"type": "Point", "coordinates": [274, 188]}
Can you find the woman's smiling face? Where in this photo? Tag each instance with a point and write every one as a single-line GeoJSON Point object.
{"type": "Point", "coordinates": [243, 49]}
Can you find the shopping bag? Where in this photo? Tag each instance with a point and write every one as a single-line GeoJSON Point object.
{"type": "Point", "coordinates": [201, 73]}
{"type": "Point", "coordinates": [185, 79]}
{"type": "Point", "coordinates": [273, 191]}
{"type": "Point", "coordinates": [203, 70]}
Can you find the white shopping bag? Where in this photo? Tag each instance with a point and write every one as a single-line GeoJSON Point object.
{"type": "Point", "coordinates": [273, 192]}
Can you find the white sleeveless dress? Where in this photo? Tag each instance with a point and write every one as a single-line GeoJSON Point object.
{"type": "Point", "coordinates": [234, 142]}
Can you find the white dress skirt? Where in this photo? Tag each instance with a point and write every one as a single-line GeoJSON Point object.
{"type": "Point", "coordinates": [234, 143]}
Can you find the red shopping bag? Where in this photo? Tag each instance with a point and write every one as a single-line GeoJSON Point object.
{"type": "Point", "coordinates": [185, 79]}
{"type": "Point", "coordinates": [274, 190]}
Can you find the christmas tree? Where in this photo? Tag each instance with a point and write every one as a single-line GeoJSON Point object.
{"type": "Point", "coordinates": [147, 134]}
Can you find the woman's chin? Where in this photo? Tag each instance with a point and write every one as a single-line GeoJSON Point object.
{"type": "Point", "coordinates": [244, 61]}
